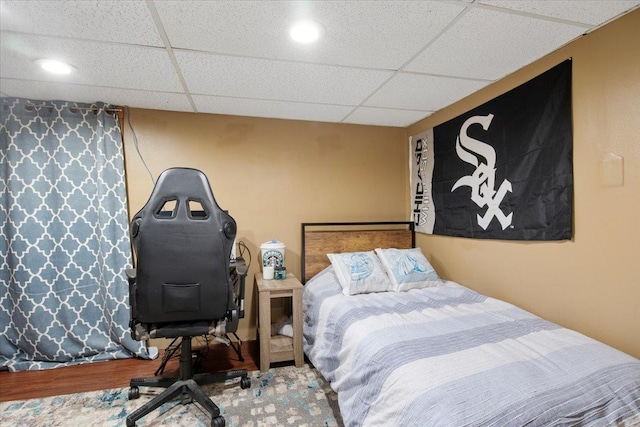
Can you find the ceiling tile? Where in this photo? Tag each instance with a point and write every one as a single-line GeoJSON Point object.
{"type": "Point", "coordinates": [380, 34]}
{"type": "Point", "coordinates": [47, 91]}
{"type": "Point", "coordinates": [100, 64]}
{"type": "Point", "coordinates": [274, 109]}
{"type": "Point", "coordinates": [379, 62]}
{"type": "Point", "coordinates": [104, 20]}
{"type": "Point", "coordinates": [488, 44]}
{"type": "Point", "coordinates": [208, 74]}
{"type": "Point", "coordinates": [385, 117]}
{"type": "Point", "coordinates": [591, 12]}
{"type": "Point", "coordinates": [420, 92]}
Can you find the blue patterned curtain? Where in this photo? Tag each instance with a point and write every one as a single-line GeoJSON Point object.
{"type": "Point", "coordinates": [65, 242]}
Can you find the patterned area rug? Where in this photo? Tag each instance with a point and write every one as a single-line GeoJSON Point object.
{"type": "Point", "coordinates": [281, 397]}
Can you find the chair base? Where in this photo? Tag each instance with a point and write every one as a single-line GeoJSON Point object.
{"type": "Point", "coordinates": [187, 384]}
{"type": "Point", "coordinates": [179, 387]}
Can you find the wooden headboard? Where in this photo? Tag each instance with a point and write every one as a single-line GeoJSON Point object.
{"type": "Point", "coordinates": [322, 238]}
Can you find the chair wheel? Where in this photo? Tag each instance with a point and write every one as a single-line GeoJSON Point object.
{"type": "Point", "coordinates": [245, 382]}
{"type": "Point", "coordinates": [218, 421]}
{"type": "Point", "coordinates": [134, 393]}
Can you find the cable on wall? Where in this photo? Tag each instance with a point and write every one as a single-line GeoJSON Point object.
{"type": "Point", "coordinates": [135, 143]}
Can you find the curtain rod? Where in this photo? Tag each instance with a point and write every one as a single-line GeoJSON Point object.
{"type": "Point", "coordinates": [112, 110]}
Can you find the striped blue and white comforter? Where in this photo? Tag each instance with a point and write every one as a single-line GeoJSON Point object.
{"type": "Point", "coordinates": [448, 356]}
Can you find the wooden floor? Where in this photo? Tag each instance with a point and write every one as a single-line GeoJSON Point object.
{"type": "Point", "coordinates": [113, 373]}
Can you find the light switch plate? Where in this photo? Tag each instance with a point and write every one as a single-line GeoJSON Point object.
{"type": "Point", "coordinates": [612, 170]}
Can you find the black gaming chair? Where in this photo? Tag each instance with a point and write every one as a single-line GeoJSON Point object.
{"type": "Point", "coordinates": [183, 285]}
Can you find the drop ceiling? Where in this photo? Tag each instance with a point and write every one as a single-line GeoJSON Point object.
{"type": "Point", "coordinates": [386, 63]}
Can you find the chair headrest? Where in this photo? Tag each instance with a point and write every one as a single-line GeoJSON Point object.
{"type": "Point", "coordinates": [185, 193]}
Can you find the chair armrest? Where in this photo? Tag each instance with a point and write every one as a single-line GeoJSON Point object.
{"type": "Point", "coordinates": [241, 271]}
{"type": "Point", "coordinates": [131, 278]}
{"type": "Point", "coordinates": [241, 267]}
{"type": "Point", "coordinates": [131, 275]}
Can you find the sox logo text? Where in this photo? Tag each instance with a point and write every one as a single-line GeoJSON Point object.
{"type": "Point", "coordinates": [482, 180]}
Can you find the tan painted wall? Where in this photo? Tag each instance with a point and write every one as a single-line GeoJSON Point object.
{"type": "Point", "coordinates": [592, 283]}
{"type": "Point", "coordinates": [273, 175]}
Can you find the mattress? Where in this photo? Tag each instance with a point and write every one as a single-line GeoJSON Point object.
{"type": "Point", "coordinates": [449, 356]}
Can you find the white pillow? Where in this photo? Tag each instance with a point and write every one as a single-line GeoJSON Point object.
{"type": "Point", "coordinates": [360, 273]}
{"type": "Point", "coordinates": [408, 269]}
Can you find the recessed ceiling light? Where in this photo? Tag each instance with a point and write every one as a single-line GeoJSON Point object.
{"type": "Point", "coordinates": [56, 67]}
{"type": "Point", "coordinates": [306, 31]}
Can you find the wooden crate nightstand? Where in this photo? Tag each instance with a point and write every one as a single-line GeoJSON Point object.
{"type": "Point", "coordinates": [279, 348]}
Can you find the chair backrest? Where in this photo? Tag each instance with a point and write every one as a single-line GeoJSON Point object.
{"type": "Point", "coordinates": [183, 241]}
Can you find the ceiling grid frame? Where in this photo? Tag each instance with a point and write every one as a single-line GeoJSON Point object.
{"type": "Point", "coordinates": [379, 63]}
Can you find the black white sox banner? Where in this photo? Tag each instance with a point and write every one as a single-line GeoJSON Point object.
{"type": "Point", "coordinates": [502, 170]}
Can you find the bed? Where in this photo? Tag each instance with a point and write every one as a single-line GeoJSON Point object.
{"type": "Point", "coordinates": [444, 355]}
